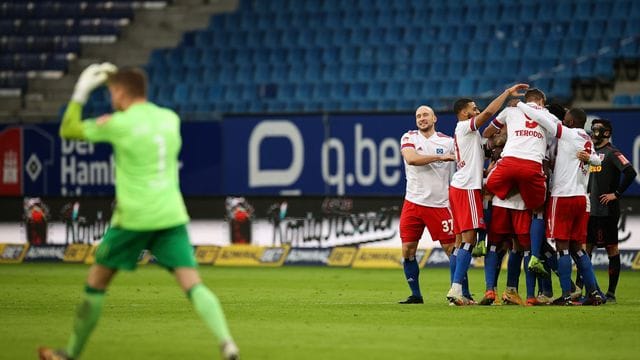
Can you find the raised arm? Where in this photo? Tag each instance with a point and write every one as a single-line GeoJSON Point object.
{"type": "Point", "coordinates": [496, 104]}
{"type": "Point", "coordinates": [90, 78]}
{"type": "Point", "coordinates": [544, 118]}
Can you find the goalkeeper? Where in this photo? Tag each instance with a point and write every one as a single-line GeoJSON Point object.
{"type": "Point", "coordinates": [146, 142]}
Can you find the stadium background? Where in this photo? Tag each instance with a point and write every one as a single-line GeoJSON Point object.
{"type": "Point", "coordinates": [297, 101]}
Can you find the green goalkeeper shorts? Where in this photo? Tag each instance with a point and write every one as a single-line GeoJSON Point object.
{"type": "Point", "coordinates": [121, 249]}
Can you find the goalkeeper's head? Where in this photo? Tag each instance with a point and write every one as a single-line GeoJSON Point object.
{"type": "Point", "coordinates": [127, 86]}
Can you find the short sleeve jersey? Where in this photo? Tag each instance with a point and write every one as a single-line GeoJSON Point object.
{"type": "Point", "coordinates": [428, 185]}
{"type": "Point", "coordinates": [469, 156]}
{"type": "Point", "coordinates": [525, 138]}
{"type": "Point", "coordinates": [570, 175]}
{"type": "Point", "coordinates": [146, 142]}
{"type": "Point", "coordinates": [605, 178]}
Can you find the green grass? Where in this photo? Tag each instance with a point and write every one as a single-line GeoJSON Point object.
{"type": "Point", "coordinates": [308, 313]}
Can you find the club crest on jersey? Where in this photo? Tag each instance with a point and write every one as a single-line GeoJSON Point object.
{"type": "Point", "coordinates": [601, 156]}
{"type": "Point", "coordinates": [530, 123]}
{"type": "Point", "coordinates": [439, 151]}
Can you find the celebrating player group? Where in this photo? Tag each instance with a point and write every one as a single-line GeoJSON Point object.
{"type": "Point", "coordinates": [547, 182]}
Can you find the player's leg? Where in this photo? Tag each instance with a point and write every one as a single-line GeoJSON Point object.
{"type": "Point", "coordinates": [564, 271]}
{"type": "Point", "coordinates": [468, 217]}
{"type": "Point", "coordinates": [499, 219]}
{"type": "Point", "coordinates": [501, 179]}
{"type": "Point", "coordinates": [120, 249]}
{"type": "Point", "coordinates": [611, 233]}
{"type": "Point", "coordinates": [583, 263]}
{"type": "Point", "coordinates": [514, 263]}
{"type": "Point", "coordinates": [532, 184]}
{"type": "Point", "coordinates": [491, 267]}
{"type": "Point", "coordinates": [537, 231]}
{"type": "Point", "coordinates": [411, 272]}
{"type": "Point", "coordinates": [172, 250]}
{"type": "Point", "coordinates": [411, 229]}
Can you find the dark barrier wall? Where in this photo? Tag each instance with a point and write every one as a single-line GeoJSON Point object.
{"type": "Point", "coordinates": [352, 155]}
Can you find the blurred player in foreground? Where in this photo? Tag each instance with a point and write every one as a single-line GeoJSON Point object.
{"type": "Point", "coordinates": [150, 211]}
{"type": "Point", "coordinates": [428, 157]}
{"type": "Point", "coordinates": [464, 192]}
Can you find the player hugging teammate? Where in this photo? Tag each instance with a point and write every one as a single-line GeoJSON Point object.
{"type": "Point", "coordinates": [544, 152]}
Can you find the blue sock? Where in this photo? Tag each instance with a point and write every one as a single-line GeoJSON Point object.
{"type": "Point", "coordinates": [412, 272]}
{"type": "Point", "coordinates": [490, 267]}
{"type": "Point", "coordinates": [513, 268]}
{"type": "Point", "coordinates": [452, 264]}
{"type": "Point", "coordinates": [463, 260]}
{"type": "Point", "coordinates": [586, 269]}
{"type": "Point", "coordinates": [537, 234]}
{"type": "Point", "coordinates": [530, 277]}
{"type": "Point", "coordinates": [564, 270]}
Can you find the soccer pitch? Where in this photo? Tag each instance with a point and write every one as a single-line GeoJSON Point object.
{"type": "Point", "coordinates": [308, 313]}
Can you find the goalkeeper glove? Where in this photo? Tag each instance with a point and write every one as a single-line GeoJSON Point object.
{"type": "Point", "coordinates": [90, 78]}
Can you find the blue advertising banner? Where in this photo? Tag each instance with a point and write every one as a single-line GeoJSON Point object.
{"type": "Point", "coordinates": [327, 155]}
{"type": "Point", "coordinates": [312, 155]}
{"type": "Point", "coordinates": [35, 161]}
{"type": "Point", "coordinates": [274, 155]}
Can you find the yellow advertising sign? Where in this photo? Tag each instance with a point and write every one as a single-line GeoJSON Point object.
{"type": "Point", "coordinates": [76, 253]}
{"type": "Point", "coordinates": [91, 255]}
{"type": "Point", "coordinates": [248, 255]}
{"type": "Point", "coordinates": [378, 258]}
{"type": "Point", "coordinates": [12, 253]}
{"type": "Point", "coordinates": [207, 254]}
{"type": "Point", "coordinates": [342, 256]}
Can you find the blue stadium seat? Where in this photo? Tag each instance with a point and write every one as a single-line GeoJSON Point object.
{"type": "Point", "coordinates": [635, 100]}
{"type": "Point", "coordinates": [449, 88]}
{"type": "Point", "coordinates": [561, 87]}
{"type": "Point", "coordinates": [338, 91]}
{"type": "Point", "coordinates": [467, 87]}
{"type": "Point", "coordinates": [357, 91]}
{"type": "Point", "coordinates": [321, 91]}
{"type": "Point", "coordinates": [386, 71]}
{"type": "Point", "coordinates": [621, 9]}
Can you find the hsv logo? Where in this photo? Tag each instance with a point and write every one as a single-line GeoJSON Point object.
{"type": "Point", "coordinates": [530, 123]}
{"type": "Point", "coordinates": [439, 151]}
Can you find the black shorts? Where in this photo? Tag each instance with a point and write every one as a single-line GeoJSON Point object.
{"type": "Point", "coordinates": [602, 231]}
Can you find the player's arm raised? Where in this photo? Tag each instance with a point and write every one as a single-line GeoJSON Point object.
{"type": "Point", "coordinates": [542, 117]}
{"type": "Point", "coordinates": [496, 104]}
{"type": "Point", "coordinates": [90, 78]}
{"type": "Point", "coordinates": [413, 158]}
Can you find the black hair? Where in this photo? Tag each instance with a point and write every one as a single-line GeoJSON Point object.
{"type": "Point", "coordinates": [460, 104]}
{"type": "Point", "coordinates": [579, 116]}
{"type": "Point", "coordinates": [557, 110]}
{"type": "Point", "coordinates": [604, 122]}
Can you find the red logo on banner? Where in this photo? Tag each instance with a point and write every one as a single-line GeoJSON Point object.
{"type": "Point", "coordinates": [11, 162]}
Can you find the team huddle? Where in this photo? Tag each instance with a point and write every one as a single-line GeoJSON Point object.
{"type": "Point", "coordinates": [546, 179]}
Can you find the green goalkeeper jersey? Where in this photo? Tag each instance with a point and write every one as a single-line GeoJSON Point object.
{"type": "Point", "coordinates": [146, 143]}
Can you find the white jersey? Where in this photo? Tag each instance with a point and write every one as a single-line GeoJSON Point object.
{"type": "Point", "coordinates": [525, 138]}
{"type": "Point", "coordinates": [514, 202]}
{"type": "Point", "coordinates": [469, 156]}
{"type": "Point", "coordinates": [428, 185]}
{"type": "Point", "coordinates": [570, 175]}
